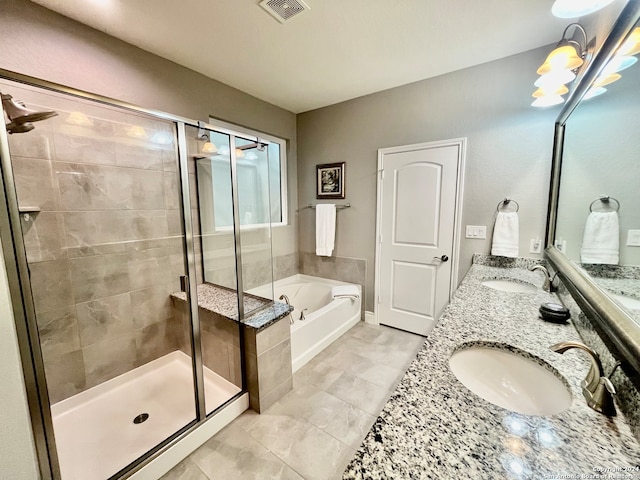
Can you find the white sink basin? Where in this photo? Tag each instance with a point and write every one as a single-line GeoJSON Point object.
{"type": "Point", "coordinates": [510, 380]}
{"type": "Point", "coordinates": [627, 302]}
{"type": "Point", "coordinates": [510, 286]}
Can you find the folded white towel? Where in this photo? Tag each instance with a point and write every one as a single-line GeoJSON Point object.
{"type": "Point", "coordinates": [345, 291]}
{"type": "Point", "coordinates": [601, 241]}
{"type": "Point", "coordinates": [506, 235]}
{"type": "Point", "coordinates": [325, 229]}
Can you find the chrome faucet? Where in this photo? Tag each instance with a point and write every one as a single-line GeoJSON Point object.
{"type": "Point", "coordinates": [548, 285]}
{"type": "Point", "coordinates": [596, 387]}
{"type": "Point", "coordinates": [302, 317]}
{"type": "Point", "coordinates": [286, 299]}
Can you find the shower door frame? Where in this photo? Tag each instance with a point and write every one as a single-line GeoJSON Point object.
{"type": "Point", "coordinates": [22, 303]}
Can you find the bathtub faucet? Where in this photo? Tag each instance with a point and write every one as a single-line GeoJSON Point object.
{"type": "Point", "coordinates": [286, 299]}
{"type": "Point", "coordinates": [302, 314]}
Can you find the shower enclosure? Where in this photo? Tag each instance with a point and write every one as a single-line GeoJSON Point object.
{"type": "Point", "coordinates": [115, 218]}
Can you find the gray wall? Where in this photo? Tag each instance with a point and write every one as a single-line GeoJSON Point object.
{"type": "Point", "coordinates": [509, 146]}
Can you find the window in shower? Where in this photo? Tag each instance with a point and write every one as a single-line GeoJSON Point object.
{"type": "Point", "coordinates": [258, 163]}
{"type": "Point", "coordinates": [262, 183]}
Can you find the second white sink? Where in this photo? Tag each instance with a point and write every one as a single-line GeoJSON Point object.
{"type": "Point", "coordinates": [510, 380]}
{"type": "Point", "coordinates": [510, 286]}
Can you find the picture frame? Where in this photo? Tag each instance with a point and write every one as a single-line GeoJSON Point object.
{"type": "Point", "coordinates": [330, 180]}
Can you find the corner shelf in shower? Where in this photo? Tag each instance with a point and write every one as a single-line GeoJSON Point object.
{"type": "Point", "coordinates": [28, 209]}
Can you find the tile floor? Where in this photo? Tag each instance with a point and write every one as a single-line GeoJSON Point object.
{"type": "Point", "coordinates": [314, 431]}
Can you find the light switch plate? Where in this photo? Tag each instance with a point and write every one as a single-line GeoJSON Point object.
{"type": "Point", "coordinates": [476, 231]}
{"type": "Point", "coordinates": [633, 238]}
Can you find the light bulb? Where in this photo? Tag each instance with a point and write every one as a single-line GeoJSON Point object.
{"type": "Point", "coordinates": [553, 80]}
{"type": "Point", "coordinates": [547, 101]}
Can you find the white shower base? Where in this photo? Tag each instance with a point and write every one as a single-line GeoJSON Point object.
{"type": "Point", "coordinates": [94, 430]}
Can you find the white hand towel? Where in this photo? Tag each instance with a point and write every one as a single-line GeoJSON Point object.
{"type": "Point", "coordinates": [325, 229]}
{"type": "Point", "coordinates": [601, 241]}
{"type": "Point", "coordinates": [506, 235]}
{"type": "Point", "coordinates": [345, 291]}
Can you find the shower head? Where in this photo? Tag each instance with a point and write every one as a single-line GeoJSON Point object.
{"type": "Point", "coordinates": [13, 127]}
{"type": "Point", "coordinates": [20, 117]}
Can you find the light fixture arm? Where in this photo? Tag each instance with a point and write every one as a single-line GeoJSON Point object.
{"type": "Point", "coordinates": [581, 50]}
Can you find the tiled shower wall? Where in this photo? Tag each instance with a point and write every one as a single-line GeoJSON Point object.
{"type": "Point", "coordinates": [105, 249]}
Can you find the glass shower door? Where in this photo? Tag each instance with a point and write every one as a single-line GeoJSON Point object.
{"type": "Point", "coordinates": [209, 157]}
{"type": "Point", "coordinates": [98, 190]}
{"type": "Point", "coordinates": [254, 208]}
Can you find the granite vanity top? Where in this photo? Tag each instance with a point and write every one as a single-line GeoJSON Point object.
{"type": "Point", "coordinates": [434, 427]}
{"type": "Point", "coordinates": [224, 302]}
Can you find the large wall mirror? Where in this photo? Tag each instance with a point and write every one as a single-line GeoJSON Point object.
{"type": "Point", "coordinates": [595, 239]}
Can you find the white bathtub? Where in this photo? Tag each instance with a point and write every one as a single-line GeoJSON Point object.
{"type": "Point", "coordinates": [325, 320]}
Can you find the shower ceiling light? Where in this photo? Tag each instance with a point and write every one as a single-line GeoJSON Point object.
{"type": "Point", "coordinates": [577, 8]}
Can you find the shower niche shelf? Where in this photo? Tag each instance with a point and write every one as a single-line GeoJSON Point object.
{"type": "Point", "coordinates": [29, 209]}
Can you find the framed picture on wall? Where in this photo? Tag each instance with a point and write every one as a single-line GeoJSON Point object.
{"type": "Point", "coordinates": [330, 180]}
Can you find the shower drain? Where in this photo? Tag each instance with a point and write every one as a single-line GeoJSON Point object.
{"type": "Point", "coordinates": [141, 418]}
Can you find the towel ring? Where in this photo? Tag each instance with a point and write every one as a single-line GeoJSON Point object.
{"type": "Point", "coordinates": [507, 201]}
{"type": "Point", "coordinates": [605, 199]}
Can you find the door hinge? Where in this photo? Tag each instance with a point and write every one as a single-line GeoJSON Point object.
{"type": "Point", "coordinates": [381, 173]}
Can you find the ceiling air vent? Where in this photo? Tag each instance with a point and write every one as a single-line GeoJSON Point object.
{"type": "Point", "coordinates": [283, 10]}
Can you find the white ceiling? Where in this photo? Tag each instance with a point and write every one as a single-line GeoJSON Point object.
{"type": "Point", "coordinates": [340, 49]}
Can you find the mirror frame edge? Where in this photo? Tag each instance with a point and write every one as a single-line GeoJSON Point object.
{"type": "Point", "coordinates": [621, 330]}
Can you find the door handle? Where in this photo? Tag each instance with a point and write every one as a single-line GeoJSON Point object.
{"type": "Point", "coordinates": [443, 258]}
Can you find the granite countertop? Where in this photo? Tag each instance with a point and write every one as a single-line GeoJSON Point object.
{"type": "Point", "coordinates": [434, 427]}
{"type": "Point", "coordinates": [224, 302]}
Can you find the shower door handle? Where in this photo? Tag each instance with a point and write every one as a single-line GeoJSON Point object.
{"type": "Point", "coordinates": [184, 284]}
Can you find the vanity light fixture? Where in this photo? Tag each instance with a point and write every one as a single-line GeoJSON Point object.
{"type": "Point", "coordinates": [594, 92]}
{"type": "Point", "coordinates": [605, 79]}
{"type": "Point", "coordinates": [631, 45]}
{"type": "Point", "coordinates": [577, 8]}
{"type": "Point", "coordinates": [559, 68]}
{"type": "Point", "coordinates": [547, 101]}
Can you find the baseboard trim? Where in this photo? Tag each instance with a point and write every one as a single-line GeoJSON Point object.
{"type": "Point", "coordinates": [370, 317]}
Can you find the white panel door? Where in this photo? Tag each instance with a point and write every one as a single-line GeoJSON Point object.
{"type": "Point", "coordinates": [417, 222]}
